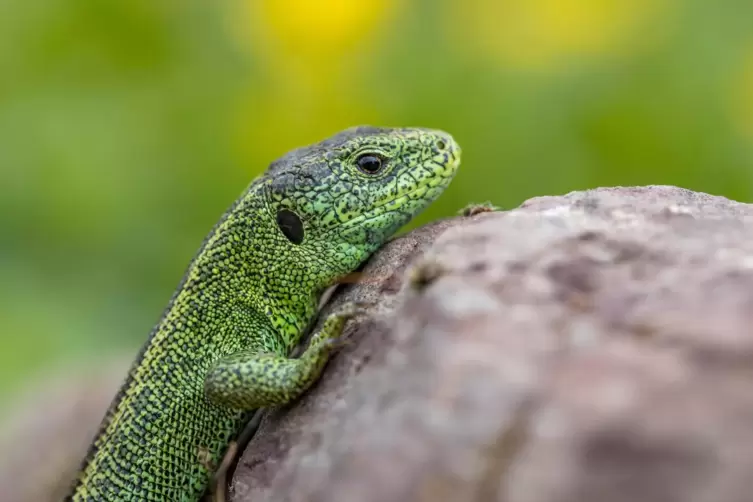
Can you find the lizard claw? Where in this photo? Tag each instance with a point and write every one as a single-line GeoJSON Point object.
{"type": "Point", "coordinates": [351, 309]}
{"type": "Point", "coordinates": [332, 335]}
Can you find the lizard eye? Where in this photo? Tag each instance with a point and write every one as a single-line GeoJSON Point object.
{"type": "Point", "coordinates": [369, 163]}
{"type": "Point", "coordinates": [290, 225]}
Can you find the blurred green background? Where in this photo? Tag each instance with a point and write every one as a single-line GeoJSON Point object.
{"type": "Point", "coordinates": [128, 126]}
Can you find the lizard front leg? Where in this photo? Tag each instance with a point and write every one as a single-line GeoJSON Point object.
{"type": "Point", "coordinates": [248, 380]}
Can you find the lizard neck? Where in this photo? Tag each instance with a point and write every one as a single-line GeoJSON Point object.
{"type": "Point", "coordinates": [246, 263]}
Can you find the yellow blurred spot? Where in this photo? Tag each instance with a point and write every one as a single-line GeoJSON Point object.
{"type": "Point", "coordinates": [536, 34]}
{"type": "Point", "coordinates": [307, 52]}
{"type": "Point", "coordinates": [314, 29]}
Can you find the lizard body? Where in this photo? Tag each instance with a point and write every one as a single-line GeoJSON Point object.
{"type": "Point", "coordinates": [223, 343]}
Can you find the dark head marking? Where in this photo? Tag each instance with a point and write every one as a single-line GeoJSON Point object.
{"type": "Point", "coordinates": [291, 225]}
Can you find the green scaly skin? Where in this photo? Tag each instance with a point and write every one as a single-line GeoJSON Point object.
{"type": "Point", "coordinates": [222, 345]}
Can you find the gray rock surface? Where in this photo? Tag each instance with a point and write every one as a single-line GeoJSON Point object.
{"type": "Point", "coordinates": [596, 346]}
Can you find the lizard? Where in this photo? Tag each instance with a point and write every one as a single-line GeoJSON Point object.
{"type": "Point", "coordinates": [222, 346]}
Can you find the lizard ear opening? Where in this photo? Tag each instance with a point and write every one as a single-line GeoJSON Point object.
{"type": "Point", "coordinates": [290, 225]}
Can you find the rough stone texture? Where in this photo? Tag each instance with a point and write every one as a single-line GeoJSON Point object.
{"type": "Point", "coordinates": [592, 347]}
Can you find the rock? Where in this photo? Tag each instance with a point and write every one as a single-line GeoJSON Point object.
{"type": "Point", "coordinates": [592, 347]}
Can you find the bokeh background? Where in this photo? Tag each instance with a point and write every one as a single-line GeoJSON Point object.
{"type": "Point", "coordinates": [128, 126]}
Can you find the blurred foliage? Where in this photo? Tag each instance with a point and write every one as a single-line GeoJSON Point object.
{"type": "Point", "coordinates": [128, 126]}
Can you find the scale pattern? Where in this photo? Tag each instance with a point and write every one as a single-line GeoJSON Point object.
{"type": "Point", "coordinates": [221, 348]}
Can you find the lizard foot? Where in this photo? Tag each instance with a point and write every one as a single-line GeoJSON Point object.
{"type": "Point", "coordinates": [331, 336]}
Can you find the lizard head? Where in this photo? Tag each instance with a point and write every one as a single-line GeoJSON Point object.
{"type": "Point", "coordinates": [341, 198]}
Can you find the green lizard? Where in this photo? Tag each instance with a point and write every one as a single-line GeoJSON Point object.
{"type": "Point", "coordinates": [222, 345]}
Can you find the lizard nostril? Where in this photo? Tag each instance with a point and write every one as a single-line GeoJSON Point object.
{"type": "Point", "coordinates": [441, 144]}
